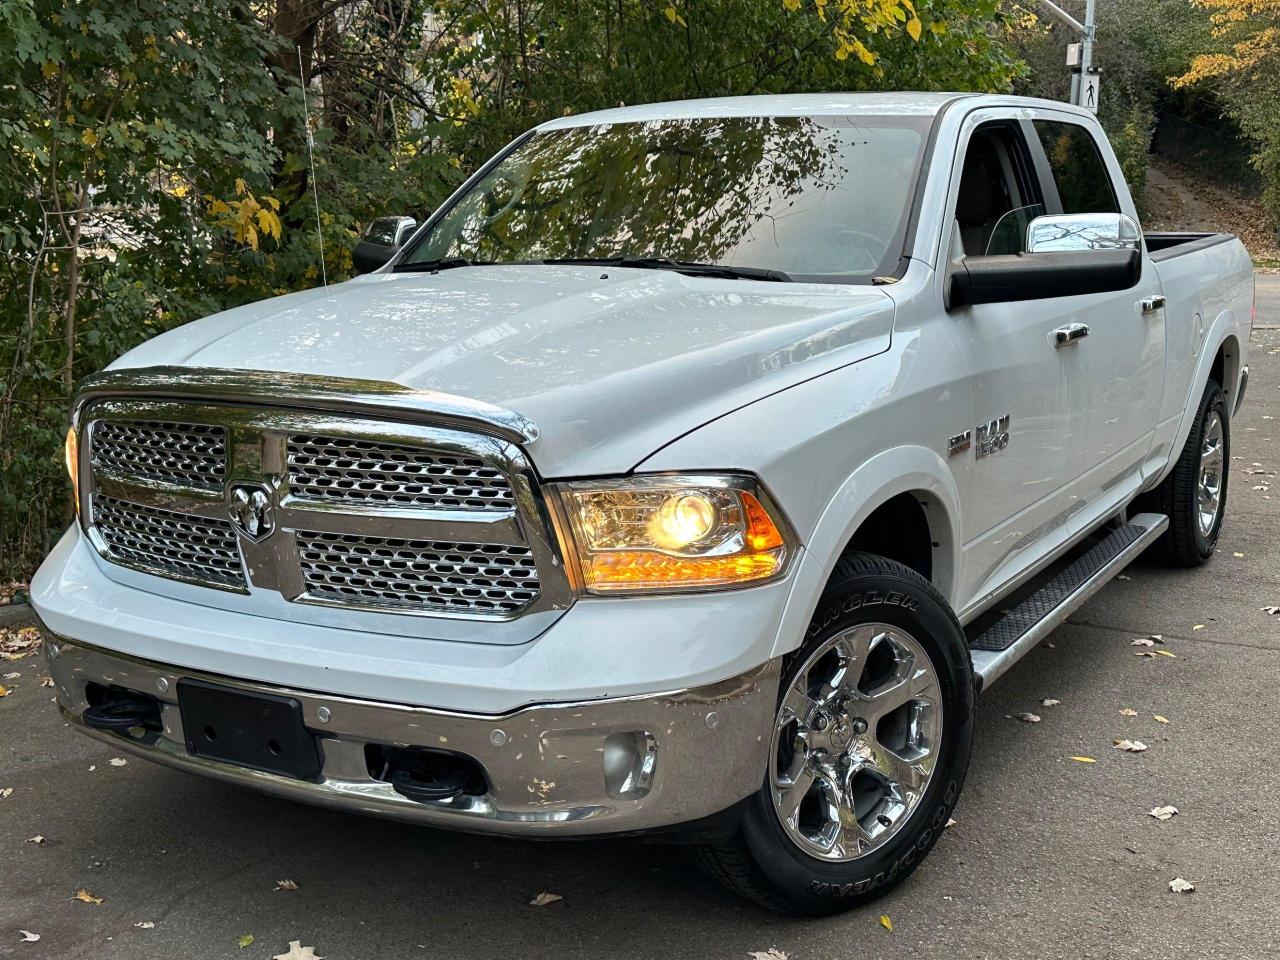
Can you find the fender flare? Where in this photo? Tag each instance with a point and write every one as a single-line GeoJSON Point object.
{"type": "Point", "coordinates": [1225, 327]}
{"type": "Point", "coordinates": [907, 469]}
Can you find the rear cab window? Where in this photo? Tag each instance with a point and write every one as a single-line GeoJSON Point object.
{"type": "Point", "coordinates": [1079, 172]}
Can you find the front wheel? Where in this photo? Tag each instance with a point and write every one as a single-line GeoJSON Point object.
{"type": "Point", "coordinates": [869, 748]}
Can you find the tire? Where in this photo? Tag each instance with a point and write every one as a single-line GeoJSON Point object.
{"type": "Point", "coordinates": [877, 611]}
{"type": "Point", "coordinates": [1189, 542]}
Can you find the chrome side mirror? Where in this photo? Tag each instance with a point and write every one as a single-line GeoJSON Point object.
{"type": "Point", "coordinates": [1074, 232]}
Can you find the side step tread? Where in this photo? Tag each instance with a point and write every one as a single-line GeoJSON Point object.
{"type": "Point", "coordinates": [1003, 634]}
{"type": "Point", "coordinates": [1007, 640]}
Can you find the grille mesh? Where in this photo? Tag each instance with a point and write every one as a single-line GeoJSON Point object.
{"type": "Point", "coordinates": [194, 455]}
{"type": "Point", "coordinates": [169, 544]}
{"type": "Point", "coordinates": [365, 472]}
{"type": "Point", "coordinates": [418, 574]}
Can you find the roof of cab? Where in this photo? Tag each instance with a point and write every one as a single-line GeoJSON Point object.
{"type": "Point", "coordinates": [789, 105]}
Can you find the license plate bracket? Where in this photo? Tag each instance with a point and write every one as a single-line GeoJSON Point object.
{"type": "Point", "coordinates": [260, 731]}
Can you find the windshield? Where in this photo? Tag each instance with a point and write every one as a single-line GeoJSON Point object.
{"type": "Point", "coordinates": [818, 198]}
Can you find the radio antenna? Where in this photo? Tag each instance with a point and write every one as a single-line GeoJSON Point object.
{"type": "Point", "coordinates": [311, 156]}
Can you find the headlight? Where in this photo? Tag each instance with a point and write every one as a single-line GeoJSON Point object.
{"type": "Point", "coordinates": [71, 457]}
{"type": "Point", "coordinates": [665, 533]}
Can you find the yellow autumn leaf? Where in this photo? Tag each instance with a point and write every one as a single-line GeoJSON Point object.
{"type": "Point", "coordinates": [1166, 653]}
{"type": "Point", "coordinates": [1083, 759]}
{"type": "Point", "coordinates": [89, 137]}
{"type": "Point", "coordinates": [241, 187]}
{"type": "Point", "coordinates": [218, 208]}
{"type": "Point", "coordinates": [275, 204]}
{"type": "Point", "coordinates": [49, 70]}
{"type": "Point", "coordinates": [886, 922]}
{"type": "Point", "coordinates": [4, 691]}
{"type": "Point", "coordinates": [791, 4]}
{"type": "Point", "coordinates": [86, 897]}
{"type": "Point", "coordinates": [1160, 719]}
{"type": "Point", "coordinates": [914, 28]}
{"type": "Point", "coordinates": [938, 28]}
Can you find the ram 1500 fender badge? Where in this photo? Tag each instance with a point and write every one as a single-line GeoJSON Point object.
{"type": "Point", "coordinates": [993, 436]}
{"type": "Point", "coordinates": [251, 510]}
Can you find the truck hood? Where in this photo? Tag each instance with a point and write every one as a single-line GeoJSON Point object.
{"type": "Point", "coordinates": [610, 364]}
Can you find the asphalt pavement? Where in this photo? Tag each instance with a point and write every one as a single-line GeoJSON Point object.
{"type": "Point", "coordinates": [1049, 857]}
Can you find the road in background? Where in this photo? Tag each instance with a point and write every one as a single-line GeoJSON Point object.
{"type": "Point", "coordinates": [1049, 858]}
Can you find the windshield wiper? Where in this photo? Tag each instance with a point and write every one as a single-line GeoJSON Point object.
{"type": "Point", "coordinates": [679, 266]}
{"type": "Point", "coordinates": [445, 263]}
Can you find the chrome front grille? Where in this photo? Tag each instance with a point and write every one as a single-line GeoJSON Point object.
{"type": "Point", "coordinates": [427, 574]}
{"type": "Point", "coordinates": [169, 544]}
{"type": "Point", "coordinates": [347, 470]}
{"type": "Point", "coordinates": [325, 509]}
{"type": "Point", "coordinates": [194, 455]}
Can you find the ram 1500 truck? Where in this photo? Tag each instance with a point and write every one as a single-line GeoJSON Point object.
{"type": "Point", "coordinates": [687, 473]}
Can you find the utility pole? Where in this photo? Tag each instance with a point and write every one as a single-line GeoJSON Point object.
{"type": "Point", "coordinates": [1085, 78]}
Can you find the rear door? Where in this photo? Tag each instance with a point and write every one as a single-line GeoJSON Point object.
{"type": "Point", "coordinates": [1121, 361]}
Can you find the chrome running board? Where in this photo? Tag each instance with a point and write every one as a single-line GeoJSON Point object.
{"type": "Point", "coordinates": [1012, 637]}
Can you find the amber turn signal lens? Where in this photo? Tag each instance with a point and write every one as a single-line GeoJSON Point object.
{"type": "Point", "coordinates": [71, 457]}
{"type": "Point", "coordinates": [672, 533]}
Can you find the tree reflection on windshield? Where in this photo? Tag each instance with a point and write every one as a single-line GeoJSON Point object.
{"type": "Point", "coordinates": [809, 196]}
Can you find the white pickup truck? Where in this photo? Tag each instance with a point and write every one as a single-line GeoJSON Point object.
{"type": "Point", "coordinates": [687, 473]}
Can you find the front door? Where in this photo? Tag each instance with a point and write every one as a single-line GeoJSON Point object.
{"type": "Point", "coordinates": [1015, 460]}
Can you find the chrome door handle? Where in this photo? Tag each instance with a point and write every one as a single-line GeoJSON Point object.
{"type": "Point", "coordinates": [1152, 304]}
{"type": "Point", "coordinates": [1070, 334]}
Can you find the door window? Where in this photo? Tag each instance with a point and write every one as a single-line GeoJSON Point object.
{"type": "Point", "coordinates": [1084, 186]}
{"type": "Point", "coordinates": [998, 196]}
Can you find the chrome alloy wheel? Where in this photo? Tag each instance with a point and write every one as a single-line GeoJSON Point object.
{"type": "Point", "coordinates": [1209, 488]}
{"type": "Point", "coordinates": [855, 742]}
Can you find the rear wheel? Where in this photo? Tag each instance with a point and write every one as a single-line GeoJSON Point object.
{"type": "Point", "coordinates": [1194, 495]}
{"type": "Point", "coordinates": [869, 748]}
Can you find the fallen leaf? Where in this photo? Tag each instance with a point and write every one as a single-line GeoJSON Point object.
{"type": "Point", "coordinates": [28, 936]}
{"type": "Point", "coordinates": [145, 925]}
{"type": "Point", "coordinates": [1198, 626]}
{"type": "Point", "coordinates": [1167, 653]}
{"type": "Point", "coordinates": [4, 691]}
{"type": "Point", "coordinates": [1274, 611]}
{"type": "Point", "coordinates": [1129, 746]}
{"type": "Point", "coordinates": [286, 885]}
{"type": "Point", "coordinates": [886, 922]}
{"type": "Point", "coordinates": [93, 767]}
{"type": "Point", "coordinates": [1142, 642]}
{"type": "Point", "coordinates": [951, 822]}
{"type": "Point", "coordinates": [85, 896]}
{"type": "Point", "coordinates": [6, 793]}
{"type": "Point", "coordinates": [46, 681]}
{"type": "Point", "coordinates": [245, 941]}
{"type": "Point", "coordinates": [117, 761]}
{"type": "Point", "coordinates": [1237, 555]}
{"type": "Point", "coordinates": [1163, 813]}
{"type": "Point", "coordinates": [1083, 759]}
{"type": "Point", "coordinates": [1159, 719]}
{"type": "Point", "coordinates": [1049, 702]}
{"type": "Point", "coordinates": [1178, 885]}
{"type": "Point", "coordinates": [1146, 653]}
{"type": "Point", "coordinates": [1029, 717]}
{"type": "Point", "coordinates": [1126, 712]}
{"type": "Point", "coordinates": [773, 953]}
{"type": "Point", "coordinates": [37, 839]}
{"type": "Point", "coordinates": [1124, 576]}
{"type": "Point", "coordinates": [542, 899]}
{"type": "Point", "coordinates": [13, 676]}
{"type": "Point", "coordinates": [298, 952]}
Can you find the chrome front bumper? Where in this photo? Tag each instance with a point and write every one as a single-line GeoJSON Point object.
{"type": "Point", "coordinates": [599, 767]}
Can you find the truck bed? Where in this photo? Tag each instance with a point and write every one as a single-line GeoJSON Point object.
{"type": "Point", "coordinates": [1164, 245]}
